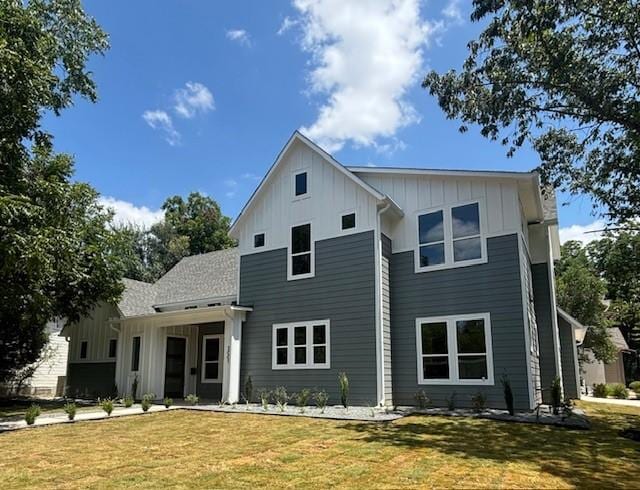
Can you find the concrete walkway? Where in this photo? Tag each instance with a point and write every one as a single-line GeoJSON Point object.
{"type": "Point", "coordinates": [611, 401]}
{"type": "Point", "coordinates": [61, 417]}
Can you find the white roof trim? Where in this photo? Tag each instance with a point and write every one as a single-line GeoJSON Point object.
{"type": "Point", "coordinates": [572, 321]}
{"type": "Point", "coordinates": [496, 174]}
{"type": "Point", "coordinates": [297, 136]}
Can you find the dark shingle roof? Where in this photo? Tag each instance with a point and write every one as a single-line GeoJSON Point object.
{"type": "Point", "coordinates": [210, 275]}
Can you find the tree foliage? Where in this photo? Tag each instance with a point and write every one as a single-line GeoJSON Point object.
{"type": "Point", "coordinates": [563, 75]}
{"type": "Point", "coordinates": [56, 250]}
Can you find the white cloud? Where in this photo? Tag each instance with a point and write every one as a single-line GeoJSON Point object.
{"type": "Point", "coordinates": [365, 56]}
{"type": "Point", "coordinates": [162, 121]}
{"type": "Point", "coordinates": [232, 186]}
{"type": "Point", "coordinates": [251, 176]}
{"type": "Point", "coordinates": [582, 233]}
{"type": "Point", "coordinates": [127, 213]}
{"type": "Point", "coordinates": [194, 98]}
{"type": "Point", "coordinates": [453, 12]}
{"type": "Point", "coordinates": [287, 24]}
{"type": "Point", "coordinates": [240, 36]}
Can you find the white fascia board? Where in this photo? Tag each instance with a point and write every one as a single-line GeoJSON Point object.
{"type": "Point", "coordinates": [212, 299]}
{"type": "Point", "coordinates": [496, 174]}
{"type": "Point", "coordinates": [297, 136]}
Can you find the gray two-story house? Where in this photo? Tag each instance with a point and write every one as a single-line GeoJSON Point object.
{"type": "Point", "coordinates": [405, 279]}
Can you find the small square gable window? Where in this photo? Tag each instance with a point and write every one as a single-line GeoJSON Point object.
{"type": "Point", "coordinates": [348, 221]}
{"type": "Point", "coordinates": [258, 240]}
{"type": "Point", "coordinates": [301, 184]}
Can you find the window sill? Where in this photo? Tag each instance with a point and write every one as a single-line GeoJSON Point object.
{"type": "Point", "coordinates": [210, 381]}
{"type": "Point", "coordinates": [300, 276]}
{"type": "Point", "coordinates": [451, 382]}
{"type": "Point", "coordinates": [300, 367]}
{"type": "Point", "coordinates": [301, 197]}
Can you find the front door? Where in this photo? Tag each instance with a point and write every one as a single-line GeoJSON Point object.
{"type": "Point", "coordinates": [174, 367]}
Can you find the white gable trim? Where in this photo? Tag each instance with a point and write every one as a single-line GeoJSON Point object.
{"type": "Point", "coordinates": [297, 136]}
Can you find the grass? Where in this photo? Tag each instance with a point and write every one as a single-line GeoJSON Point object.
{"type": "Point", "coordinates": [204, 449]}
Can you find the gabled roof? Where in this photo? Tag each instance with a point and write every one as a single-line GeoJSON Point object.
{"type": "Point", "coordinates": [617, 338]}
{"type": "Point", "coordinates": [195, 278]}
{"type": "Point", "coordinates": [297, 136]}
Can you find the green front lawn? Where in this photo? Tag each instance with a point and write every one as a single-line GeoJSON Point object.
{"type": "Point", "coordinates": [203, 449]}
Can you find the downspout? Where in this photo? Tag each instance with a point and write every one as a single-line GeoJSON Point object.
{"type": "Point", "coordinates": [378, 310]}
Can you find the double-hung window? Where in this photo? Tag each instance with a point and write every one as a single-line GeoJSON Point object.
{"type": "Point", "coordinates": [212, 355]}
{"type": "Point", "coordinates": [450, 236]}
{"type": "Point", "coordinates": [303, 345]}
{"type": "Point", "coordinates": [301, 261]}
{"type": "Point", "coordinates": [455, 350]}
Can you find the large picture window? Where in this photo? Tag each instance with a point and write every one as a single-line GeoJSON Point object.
{"type": "Point", "coordinates": [454, 350]}
{"type": "Point", "coordinates": [303, 345]}
{"type": "Point", "coordinates": [301, 252]}
{"type": "Point", "coordinates": [212, 350]}
{"type": "Point", "coordinates": [449, 237]}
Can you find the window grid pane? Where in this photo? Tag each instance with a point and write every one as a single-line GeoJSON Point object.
{"type": "Point", "coordinates": [307, 347]}
{"type": "Point", "coordinates": [431, 227]}
{"type": "Point", "coordinates": [301, 184]}
{"type": "Point", "coordinates": [465, 221]}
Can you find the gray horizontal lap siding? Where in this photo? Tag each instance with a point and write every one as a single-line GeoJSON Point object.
{"type": "Point", "coordinates": [342, 291]}
{"type": "Point", "coordinates": [542, 299]}
{"type": "Point", "coordinates": [567, 359]}
{"type": "Point", "coordinates": [92, 379]}
{"type": "Point", "coordinates": [493, 287]}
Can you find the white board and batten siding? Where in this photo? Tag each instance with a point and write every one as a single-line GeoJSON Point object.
{"type": "Point", "coordinates": [331, 194]}
{"type": "Point", "coordinates": [48, 379]}
{"type": "Point", "coordinates": [418, 193]}
{"type": "Point", "coordinates": [96, 331]}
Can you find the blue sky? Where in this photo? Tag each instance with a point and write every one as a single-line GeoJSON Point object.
{"type": "Point", "coordinates": [197, 95]}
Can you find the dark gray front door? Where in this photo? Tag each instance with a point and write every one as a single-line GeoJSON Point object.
{"type": "Point", "coordinates": [174, 370]}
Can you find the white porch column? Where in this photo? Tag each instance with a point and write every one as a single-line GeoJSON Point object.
{"type": "Point", "coordinates": [231, 368]}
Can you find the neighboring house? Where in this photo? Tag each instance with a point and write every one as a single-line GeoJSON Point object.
{"type": "Point", "coordinates": [597, 372]}
{"type": "Point", "coordinates": [404, 279]}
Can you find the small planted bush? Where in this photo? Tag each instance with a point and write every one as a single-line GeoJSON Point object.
{"type": "Point", "coordinates": [635, 386]}
{"type": "Point", "coordinates": [600, 390]}
{"type": "Point", "coordinates": [265, 396]}
{"type": "Point", "coordinates": [281, 397]}
{"type": "Point", "coordinates": [127, 401]}
{"type": "Point", "coordinates": [31, 414]}
{"type": "Point", "coordinates": [302, 398]}
{"type": "Point", "coordinates": [508, 393]}
{"type": "Point", "coordinates": [343, 385]}
{"type": "Point", "coordinates": [478, 402]}
{"type": "Point", "coordinates": [321, 398]}
{"type": "Point", "coordinates": [421, 398]}
{"type": "Point", "coordinates": [70, 409]}
{"type": "Point", "coordinates": [192, 399]}
{"type": "Point", "coordinates": [451, 401]}
{"type": "Point", "coordinates": [556, 394]}
{"type": "Point", "coordinates": [167, 402]}
{"type": "Point", "coordinates": [107, 405]}
{"type": "Point", "coordinates": [145, 404]}
{"type": "Point", "coordinates": [618, 390]}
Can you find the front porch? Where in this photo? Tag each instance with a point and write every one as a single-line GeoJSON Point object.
{"type": "Point", "coordinates": [177, 353]}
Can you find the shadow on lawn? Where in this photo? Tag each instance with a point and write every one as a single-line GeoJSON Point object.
{"type": "Point", "coordinates": [596, 457]}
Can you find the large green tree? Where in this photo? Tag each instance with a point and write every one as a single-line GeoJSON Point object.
{"type": "Point", "coordinates": [56, 250]}
{"type": "Point", "coordinates": [563, 76]}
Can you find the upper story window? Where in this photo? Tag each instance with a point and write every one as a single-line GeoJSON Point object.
{"type": "Point", "coordinates": [113, 348]}
{"type": "Point", "coordinates": [450, 237]}
{"type": "Point", "coordinates": [301, 260]}
{"type": "Point", "coordinates": [258, 240]}
{"type": "Point", "coordinates": [212, 346]}
{"type": "Point", "coordinates": [300, 184]}
{"type": "Point", "coordinates": [348, 221]}
{"type": "Point", "coordinates": [301, 345]}
{"type": "Point", "coordinates": [84, 347]}
{"type": "Point", "coordinates": [455, 350]}
{"type": "Point", "coordinates": [135, 353]}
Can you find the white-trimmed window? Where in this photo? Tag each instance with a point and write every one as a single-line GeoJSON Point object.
{"type": "Point", "coordinates": [300, 184]}
{"type": "Point", "coordinates": [84, 349]}
{"type": "Point", "coordinates": [303, 345]}
{"type": "Point", "coordinates": [212, 355]}
{"type": "Point", "coordinates": [136, 342]}
{"type": "Point", "coordinates": [348, 221]}
{"type": "Point", "coordinates": [258, 240]}
{"type": "Point", "coordinates": [301, 256]}
{"type": "Point", "coordinates": [455, 350]}
{"type": "Point", "coordinates": [450, 236]}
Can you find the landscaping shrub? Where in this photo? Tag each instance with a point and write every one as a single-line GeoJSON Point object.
{"type": "Point", "coordinates": [107, 405]}
{"type": "Point", "coordinates": [343, 384]}
{"type": "Point", "coordinates": [451, 401]}
{"type": "Point", "coordinates": [281, 397]}
{"type": "Point", "coordinates": [478, 402]}
{"type": "Point", "coordinates": [618, 390]}
{"type": "Point", "coordinates": [31, 414]}
{"type": "Point", "coordinates": [508, 393]}
{"type": "Point", "coordinates": [248, 390]}
{"type": "Point", "coordinates": [556, 394]}
{"type": "Point", "coordinates": [70, 410]}
{"type": "Point", "coordinates": [302, 398]}
{"type": "Point", "coordinates": [128, 401]}
{"type": "Point", "coordinates": [421, 398]}
{"type": "Point", "coordinates": [600, 390]}
{"type": "Point", "coordinates": [321, 398]}
{"type": "Point", "coordinates": [265, 396]}
{"type": "Point", "coordinates": [192, 399]}
{"type": "Point", "coordinates": [167, 402]}
{"type": "Point", "coordinates": [635, 386]}
{"type": "Point", "coordinates": [145, 404]}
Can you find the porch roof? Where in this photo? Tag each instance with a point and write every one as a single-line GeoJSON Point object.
{"type": "Point", "coordinates": [185, 317]}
